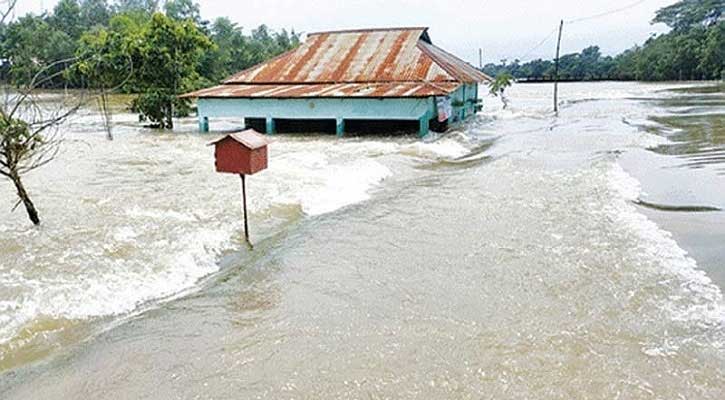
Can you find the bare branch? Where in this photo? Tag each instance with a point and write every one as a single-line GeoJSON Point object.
{"type": "Point", "coordinates": [29, 134]}
{"type": "Point", "coordinates": [27, 90]}
{"type": "Point", "coordinates": [7, 9]}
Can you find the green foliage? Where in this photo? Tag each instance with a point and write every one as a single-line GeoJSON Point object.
{"type": "Point", "coordinates": [31, 44]}
{"type": "Point", "coordinates": [102, 62]}
{"type": "Point", "coordinates": [589, 64]}
{"type": "Point", "coordinates": [147, 7]}
{"type": "Point", "coordinates": [502, 81]}
{"type": "Point", "coordinates": [712, 57]}
{"type": "Point", "coordinates": [95, 13]}
{"type": "Point", "coordinates": [235, 51]}
{"type": "Point", "coordinates": [16, 138]}
{"type": "Point", "coordinates": [67, 18]}
{"type": "Point", "coordinates": [131, 48]}
{"type": "Point", "coordinates": [180, 10]}
{"type": "Point", "coordinates": [686, 14]}
{"type": "Point", "coordinates": [157, 106]}
{"type": "Point", "coordinates": [686, 54]}
{"type": "Point", "coordinates": [165, 55]}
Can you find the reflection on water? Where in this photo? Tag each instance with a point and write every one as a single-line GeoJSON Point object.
{"type": "Point", "coordinates": [695, 124]}
{"type": "Point", "coordinates": [508, 259]}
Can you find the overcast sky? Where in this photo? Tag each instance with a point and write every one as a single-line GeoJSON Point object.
{"type": "Point", "coordinates": [503, 29]}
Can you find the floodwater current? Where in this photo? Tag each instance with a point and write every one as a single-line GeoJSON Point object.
{"type": "Point", "coordinates": [522, 255]}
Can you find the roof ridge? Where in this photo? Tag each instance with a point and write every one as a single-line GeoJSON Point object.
{"type": "Point", "coordinates": [425, 47]}
{"type": "Point", "coordinates": [378, 82]}
{"type": "Point", "coordinates": [361, 30]}
{"type": "Point", "coordinates": [385, 55]}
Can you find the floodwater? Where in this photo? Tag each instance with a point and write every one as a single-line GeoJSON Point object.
{"type": "Point", "coordinates": [523, 255]}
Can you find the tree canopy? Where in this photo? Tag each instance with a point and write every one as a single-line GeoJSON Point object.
{"type": "Point", "coordinates": [169, 53]}
{"type": "Point", "coordinates": [686, 14]}
{"type": "Point", "coordinates": [694, 49]}
{"type": "Point", "coordinates": [31, 42]}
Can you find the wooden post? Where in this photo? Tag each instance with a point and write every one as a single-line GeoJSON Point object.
{"type": "Point", "coordinates": [244, 207]}
{"type": "Point", "coordinates": [556, 69]}
{"type": "Point", "coordinates": [480, 59]}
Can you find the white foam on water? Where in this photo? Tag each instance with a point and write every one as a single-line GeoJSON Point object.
{"type": "Point", "coordinates": [154, 250]}
{"type": "Point", "coordinates": [323, 187]}
{"type": "Point", "coordinates": [160, 214]}
{"type": "Point", "coordinates": [117, 288]}
{"type": "Point", "coordinates": [440, 149]}
{"type": "Point", "coordinates": [701, 300]}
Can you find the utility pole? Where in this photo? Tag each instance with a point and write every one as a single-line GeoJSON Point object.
{"type": "Point", "coordinates": [480, 58]}
{"type": "Point", "coordinates": [556, 69]}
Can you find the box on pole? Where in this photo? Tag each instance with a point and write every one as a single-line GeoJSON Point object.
{"type": "Point", "coordinates": [243, 153]}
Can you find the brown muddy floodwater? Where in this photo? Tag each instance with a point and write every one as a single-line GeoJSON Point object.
{"type": "Point", "coordinates": [522, 255]}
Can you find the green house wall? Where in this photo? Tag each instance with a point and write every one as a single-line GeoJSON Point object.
{"type": "Point", "coordinates": [339, 109]}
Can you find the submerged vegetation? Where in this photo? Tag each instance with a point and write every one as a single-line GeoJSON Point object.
{"type": "Point", "coordinates": [498, 86]}
{"type": "Point", "coordinates": [133, 46]}
{"type": "Point", "coordinates": [694, 49]}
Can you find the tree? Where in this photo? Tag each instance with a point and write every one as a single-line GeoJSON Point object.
{"type": "Point", "coordinates": [28, 131]}
{"type": "Point", "coordinates": [31, 44]}
{"type": "Point", "coordinates": [165, 62]}
{"type": "Point", "coordinates": [180, 10]}
{"type": "Point", "coordinates": [231, 53]}
{"type": "Point", "coordinates": [104, 66]}
{"type": "Point", "coordinates": [66, 18]}
{"type": "Point", "coordinates": [712, 60]}
{"type": "Point", "coordinates": [145, 6]}
{"type": "Point", "coordinates": [687, 14]}
{"type": "Point", "coordinates": [234, 51]}
{"type": "Point", "coordinates": [499, 85]}
{"type": "Point", "coordinates": [94, 13]}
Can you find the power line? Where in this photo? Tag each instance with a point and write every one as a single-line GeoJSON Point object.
{"type": "Point", "coordinates": [604, 14]}
{"type": "Point", "coordinates": [546, 39]}
{"type": "Point", "coordinates": [573, 21]}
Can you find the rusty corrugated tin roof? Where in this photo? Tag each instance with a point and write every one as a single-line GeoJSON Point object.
{"type": "Point", "coordinates": [389, 62]}
{"type": "Point", "coordinates": [388, 89]}
{"type": "Point", "coordinates": [249, 138]}
{"type": "Point", "coordinates": [375, 55]}
{"type": "Point", "coordinates": [459, 69]}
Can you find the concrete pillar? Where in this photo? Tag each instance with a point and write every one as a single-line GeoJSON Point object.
{"type": "Point", "coordinates": [270, 128]}
{"type": "Point", "coordinates": [340, 127]}
{"type": "Point", "coordinates": [424, 125]}
{"type": "Point", "coordinates": [203, 124]}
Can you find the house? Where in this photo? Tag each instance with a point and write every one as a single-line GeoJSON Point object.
{"type": "Point", "coordinates": [347, 80]}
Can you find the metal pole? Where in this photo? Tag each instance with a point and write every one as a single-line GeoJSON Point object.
{"type": "Point", "coordinates": [244, 207]}
{"type": "Point", "coordinates": [556, 69]}
{"type": "Point", "coordinates": [480, 58]}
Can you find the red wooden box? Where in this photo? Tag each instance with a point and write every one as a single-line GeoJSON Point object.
{"type": "Point", "coordinates": [241, 152]}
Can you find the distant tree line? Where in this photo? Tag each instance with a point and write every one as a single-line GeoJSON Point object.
{"type": "Point", "coordinates": [694, 49]}
{"type": "Point", "coordinates": [154, 49]}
